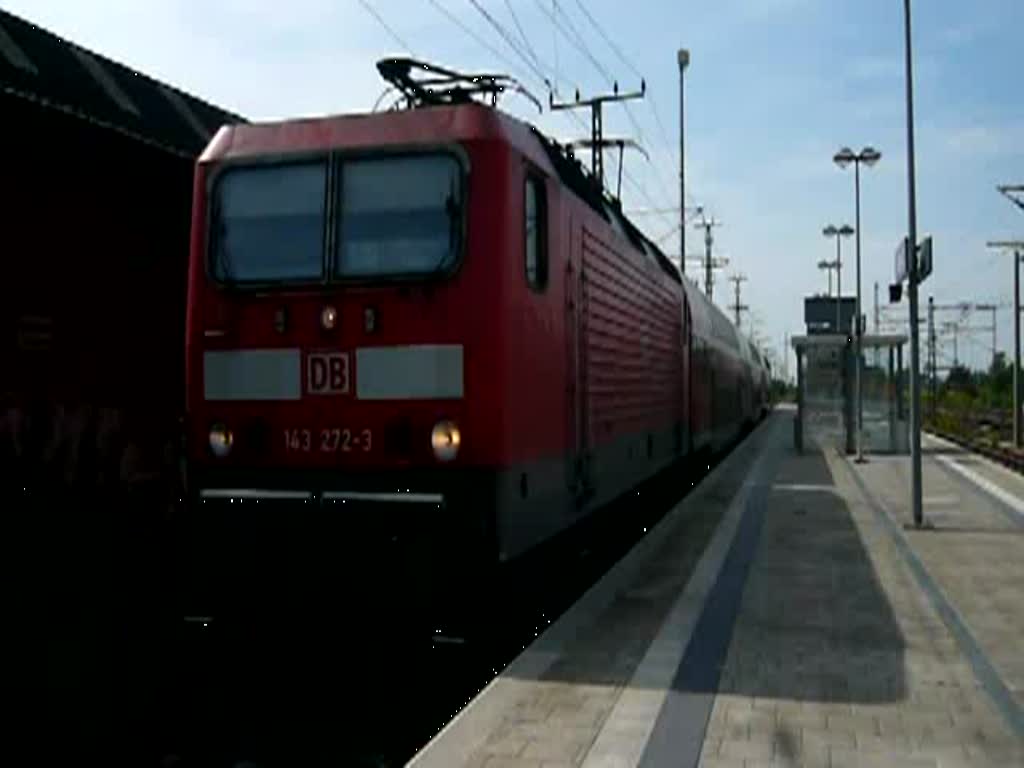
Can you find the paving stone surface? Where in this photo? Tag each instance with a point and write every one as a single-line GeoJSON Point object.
{"type": "Point", "coordinates": [838, 658]}
{"type": "Point", "coordinates": [975, 552]}
{"type": "Point", "coordinates": [556, 718]}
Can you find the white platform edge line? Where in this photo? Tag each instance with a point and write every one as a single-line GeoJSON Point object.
{"type": "Point", "coordinates": [484, 710]}
{"type": "Point", "coordinates": [980, 458]}
{"type": "Point", "coordinates": [620, 742]}
{"type": "Point", "coordinates": [1011, 501]}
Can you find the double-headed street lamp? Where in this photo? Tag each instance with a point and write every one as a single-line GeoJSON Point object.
{"type": "Point", "coordinates": [844, 231]}
{"type": "Point", "coordinates": [828, 265]}
{"type": "Point", "coordinates": [869, 156]}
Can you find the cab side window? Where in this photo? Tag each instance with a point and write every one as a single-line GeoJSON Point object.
{"type": "Point", "coordinates": [535, 215]}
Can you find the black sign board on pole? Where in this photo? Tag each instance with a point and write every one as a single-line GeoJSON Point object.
{"type": "Point", "coordinates": [924, 259]}
{"type": "Point", "coordinates": [923, 253]}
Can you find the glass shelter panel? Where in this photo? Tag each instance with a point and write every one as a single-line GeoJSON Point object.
{"type": "Point", "coordinates": [824, 396]}
{"type": "Point", "coordinates": [827, 414]}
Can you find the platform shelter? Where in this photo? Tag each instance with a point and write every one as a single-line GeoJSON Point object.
{"type": "Point", "coordinates": [826, 392]}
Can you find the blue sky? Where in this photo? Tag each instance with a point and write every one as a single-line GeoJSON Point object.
{"type": "Point", "coordinates": [775, 87]}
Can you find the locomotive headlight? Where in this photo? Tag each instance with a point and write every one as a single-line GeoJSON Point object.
{"type": "Point", "coordinates": [221, 440]}
{"type": "Point", "coordinates": [445, 440]}
{"type": "Point", "coordinates": [329, 318]}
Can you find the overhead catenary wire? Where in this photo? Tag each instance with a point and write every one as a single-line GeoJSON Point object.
{"type": "Point", "coordinates": [522, 35]}
{"type": "Point", "coordinates": [577, 40]}
{"type": "Point", "coordinates": [500, 29]}
{"type": "Point", "coordinates": [573, 38]}
{"type": "Point", "coordinates": [554, 39]}
{"type": "Point", "coordinates": [632, 182]}
{"type": "Point", "coordinates": [508, 38]}
{"type": "Point", "coordinates": [534, 68]}
{"type": "Point", "coordinates": [667, 235]}
{"type": "Point", "coordinates": [632, 68]}
{"type": "Point", "coordinates": [541, 77]}
{"type": "Point", "coordinates": [532, 65]}
{"type": "Point", "coordinates": [394, 35]}
{"type": "Point", "coordinates": [611, 44]}
{"type": "Point", "coordinates": [479, 39]}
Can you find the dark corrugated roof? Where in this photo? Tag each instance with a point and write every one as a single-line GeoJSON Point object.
{"type": "Point", "coordinates": [40, 66]}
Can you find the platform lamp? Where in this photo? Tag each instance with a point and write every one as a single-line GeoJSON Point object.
{"type": "Point", "coordinates": [843, 158]}
{"type": "Point", "coordinates": [828, 265]}
{"type": "Point", "coordinates": [838, 232]}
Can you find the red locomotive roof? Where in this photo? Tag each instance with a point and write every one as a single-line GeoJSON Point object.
{"type": "Point", "coordinates": [464, 122]}
{"type": "Point", "coordinates": [424, 125]}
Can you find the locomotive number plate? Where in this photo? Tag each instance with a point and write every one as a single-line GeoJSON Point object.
{"type": "Point", "coordinates": [332, 440]}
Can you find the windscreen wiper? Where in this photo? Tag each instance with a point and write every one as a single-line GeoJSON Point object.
{"type": "Point", "coordinates": [453, 209]}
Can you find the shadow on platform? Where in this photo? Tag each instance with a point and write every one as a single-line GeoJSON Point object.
{"type": "Point", "coordinates": [809, 622]}
{"type": "Point", "coordinates": [816, 623]}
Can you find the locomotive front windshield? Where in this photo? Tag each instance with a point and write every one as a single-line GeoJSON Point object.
{"type": "Point", "coordinates": [390, 216]}
{"type": "Point", "coordinates": [269, 223]}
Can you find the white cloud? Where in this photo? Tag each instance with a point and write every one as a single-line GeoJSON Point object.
{"type": "Point", "coordinates": [876, 66]}
{"type": "Point", "coordinates": [986, 139]}
{"type": "Point", "coordinates": [964, 33]}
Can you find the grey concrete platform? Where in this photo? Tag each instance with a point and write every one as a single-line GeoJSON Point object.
{"type": "Point", "coordinates": [782, 615]}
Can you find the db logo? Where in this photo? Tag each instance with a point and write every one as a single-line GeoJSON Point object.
{"type": "Point", "coordinates": [327, 373]}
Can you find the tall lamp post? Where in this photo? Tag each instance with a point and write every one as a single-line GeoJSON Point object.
{"type": "Point", "coordinates": [915, 382]}
{"type": "Point", "coordinates": [684, 61]}
{"type": "Point", "coordinates": [844, 231]}
{"type": "Point", "coordinates": [869, 156]}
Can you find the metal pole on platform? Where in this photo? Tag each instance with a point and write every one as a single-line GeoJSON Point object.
{"type": "Point", "coordinates": [801, 405]}
{"type": "Point", "coordinates": [838, 232]}
{"type": "Point", "coordinates": [1014, 246]}
{"type": "Point", "coordinates": [1016, 350]}
{"type": "Point", "coordinates": [839, 287]}
{"type": "Point", "coordinates": [994, 307]}
{"type": "Point", "coordinates": [915, 382]}
{"type": "Point", "coordinates": [843, 158]}
{"type": "Point", "coordinates": [878, 350]}
{"type": "Point", "coordinates": [876, 313]}
{"type": "Point", "coordinates": [684, 61]}
{"type": "Point", "coordinates": [931, 356]}
{"type": "Point", "coordinates": [859, 337]}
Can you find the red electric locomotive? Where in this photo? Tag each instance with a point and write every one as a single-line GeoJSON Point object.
{"type": "Point", "coordinates": [433, 317]}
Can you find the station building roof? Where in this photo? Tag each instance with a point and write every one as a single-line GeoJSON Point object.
{"type": "Point", "coordinates": [38, 66]}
